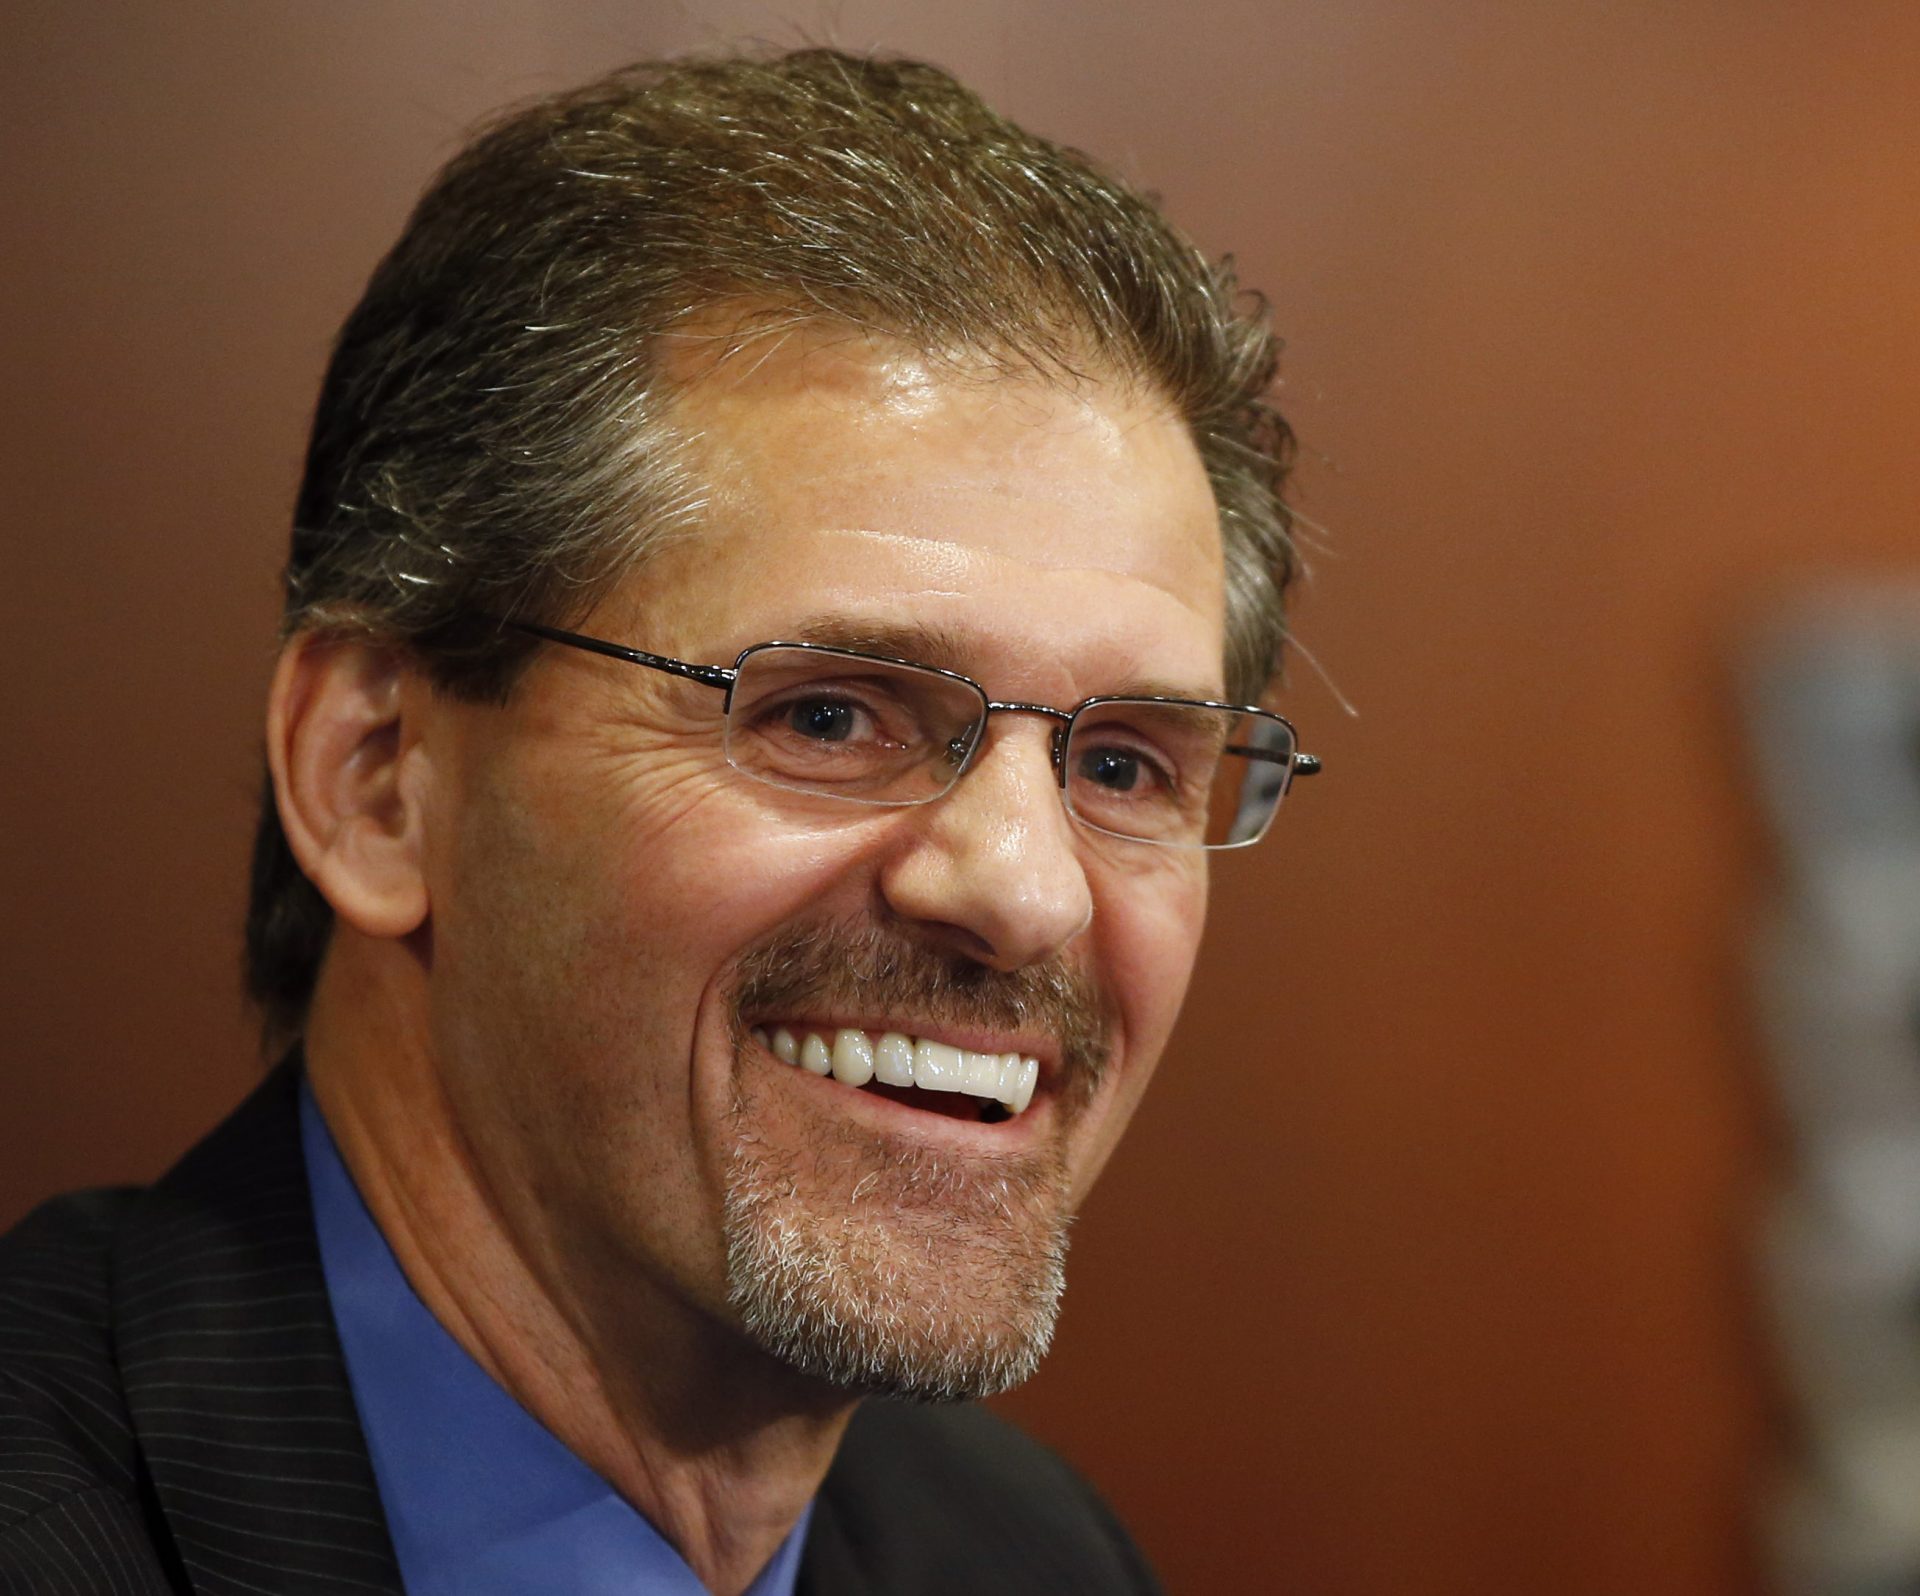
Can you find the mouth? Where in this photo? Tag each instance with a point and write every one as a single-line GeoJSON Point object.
{"type": "Point", "coordinates": [920, 1072]}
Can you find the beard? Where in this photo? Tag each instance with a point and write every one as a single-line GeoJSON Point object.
{"type": "Point", "coordinates": [934, 1282]}
{"type": "Point", "coordinates": [930, 1276]}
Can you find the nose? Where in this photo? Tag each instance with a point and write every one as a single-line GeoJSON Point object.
{"type": "Point", "coordinates": [994, 866]}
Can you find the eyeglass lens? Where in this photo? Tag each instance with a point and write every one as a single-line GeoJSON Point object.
{"type": "Point", "coordinates": [818, 720]}
{"type": "Point", "coordinates": [850, 726]}
{"type": "Point", "coordinates": [1182, 774]}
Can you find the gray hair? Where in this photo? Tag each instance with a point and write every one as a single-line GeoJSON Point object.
{"type": "Point", "coordinates": [493, 436]}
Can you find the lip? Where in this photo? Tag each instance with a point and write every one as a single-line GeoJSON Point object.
{"type": "Point", "coordinates": [886, 1117]}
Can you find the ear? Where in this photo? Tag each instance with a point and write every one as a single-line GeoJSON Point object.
{"type": "Point", "coordinates": [343, 743]}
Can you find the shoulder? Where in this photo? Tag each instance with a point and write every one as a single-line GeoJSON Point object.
{"type": "Point", "coordinates": [67, 1456]}
{"type": "Point", "coordinates": [935, 1499]}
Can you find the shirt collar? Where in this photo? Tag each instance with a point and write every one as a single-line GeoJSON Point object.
{"type": "Point", "coordinates": [480, 1497]}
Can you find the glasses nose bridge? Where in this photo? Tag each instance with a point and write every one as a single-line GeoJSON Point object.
{"type": "Point", "coordinates": [1057, 744]}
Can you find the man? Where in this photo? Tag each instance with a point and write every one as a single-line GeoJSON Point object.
{"type": "Point", "coordinates": [702, 1005]}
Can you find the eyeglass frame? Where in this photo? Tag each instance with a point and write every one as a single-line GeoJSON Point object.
{"type": "Point", "coordinates": [723, 677]}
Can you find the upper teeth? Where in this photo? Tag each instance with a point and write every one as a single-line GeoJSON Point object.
{"type": "Point", "coordinates": [895, 1059]}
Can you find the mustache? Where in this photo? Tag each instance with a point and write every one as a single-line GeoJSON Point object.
{"type": "Point", "coordinates": [872, 969]}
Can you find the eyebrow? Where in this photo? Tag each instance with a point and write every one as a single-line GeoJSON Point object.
{"type": "Point", "coordinates": [913, 641]}
{"type": "Point", "coordinates": [921, 644]}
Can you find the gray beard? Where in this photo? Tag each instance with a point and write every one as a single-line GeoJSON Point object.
{"type": "Point", "coordinates": [932, 1280]}
{"type": "Point", "coordinates": [933, 1277]}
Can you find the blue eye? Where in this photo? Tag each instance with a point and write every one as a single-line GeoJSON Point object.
{"type": "Point", "coordinates": [1114, 769]}
{"type": "Point", "coordinates": [822, 720]}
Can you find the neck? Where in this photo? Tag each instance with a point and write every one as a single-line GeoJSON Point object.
{"type": "Point", "coordinates": [719, 1446]}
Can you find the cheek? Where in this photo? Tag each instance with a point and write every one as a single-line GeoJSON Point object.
{"type": "Point", "coordinates": [687, 880]}
{"type": "Point", "coordinates": [733, 868]}
{"type": "Point", "coordinates": [639, 873]}
{"type": "Point", "coordinates": [579, 948]}
{"type": "Point", "coordinates": [1151, 936]}
{"type": "Point", "coordinates": [1147, 935]}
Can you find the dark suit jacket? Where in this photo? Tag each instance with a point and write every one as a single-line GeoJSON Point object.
{"type": "Point", "coordinates": [175, 1416]}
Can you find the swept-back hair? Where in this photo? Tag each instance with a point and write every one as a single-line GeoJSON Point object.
{"type": "Point", "coordinates": [494, 434]}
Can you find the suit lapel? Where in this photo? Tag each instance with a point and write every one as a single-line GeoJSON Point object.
{"type": "Point", "coordinates": [828, 1566]}
{"type": "Point", "coordinates": [233, 1372]}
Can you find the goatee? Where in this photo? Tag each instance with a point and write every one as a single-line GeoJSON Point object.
{"type": "Point", "coordinates": [931, 1275]}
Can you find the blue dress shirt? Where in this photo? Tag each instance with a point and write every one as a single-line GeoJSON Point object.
{"type": "Point", "coordinates": [481, 1499]}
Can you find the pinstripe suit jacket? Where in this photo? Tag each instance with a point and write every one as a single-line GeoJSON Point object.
{"type": "Point", "coordinates": [175, 1417]}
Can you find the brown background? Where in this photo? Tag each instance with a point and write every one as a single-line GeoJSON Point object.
{"type": "Point", "coordinates": [1425, 1269]}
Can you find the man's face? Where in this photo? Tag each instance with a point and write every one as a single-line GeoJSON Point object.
{"type": "Point", "coordinates": [615, 911]}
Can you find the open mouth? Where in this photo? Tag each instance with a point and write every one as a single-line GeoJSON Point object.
{"type": "Point", "coordinates": [915, 1071]}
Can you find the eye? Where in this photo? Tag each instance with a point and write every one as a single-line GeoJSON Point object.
{"type": "Point", "coordinates": [1113, 769]}
{"type": "Point", "coordinates": [825, 720]}
{"type": "Point", "coordinates": [819, 720]}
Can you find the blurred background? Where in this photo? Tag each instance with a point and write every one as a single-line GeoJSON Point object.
{"type": "Point", "coordinates": [1438, 1261]}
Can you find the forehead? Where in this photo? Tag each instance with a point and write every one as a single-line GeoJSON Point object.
{"type": "Point", "coordinates": [853, 477]}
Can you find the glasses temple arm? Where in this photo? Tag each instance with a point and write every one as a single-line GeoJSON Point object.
{"type": "Point", "coordinates": [720, 676]}
{"type": "Point", "coordinates": [1303, 764]}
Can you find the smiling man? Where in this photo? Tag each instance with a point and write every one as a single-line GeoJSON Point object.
{"type": "Point", "coordinates": [784, 566]}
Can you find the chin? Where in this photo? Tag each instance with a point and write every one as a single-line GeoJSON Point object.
{"type": "Point", "coordinates": [927, 1279]}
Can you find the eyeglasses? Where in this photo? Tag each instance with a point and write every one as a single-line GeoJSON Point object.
{"type": "Point", "coordinates": [1175, 772]}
